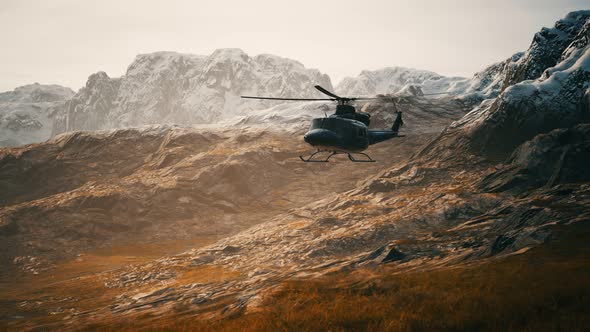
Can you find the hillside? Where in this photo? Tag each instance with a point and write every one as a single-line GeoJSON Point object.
{"type": "Point", "coordinates": [180, 187]}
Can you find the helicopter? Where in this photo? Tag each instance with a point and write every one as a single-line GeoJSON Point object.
{"type": "Point", "coordinates": [344, 132]}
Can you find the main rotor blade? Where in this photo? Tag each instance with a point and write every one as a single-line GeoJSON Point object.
{"type": "Point", "coordinates": [274, 98]}
{"type": "Point", "coordinates": [365, 98]}
{"type": "Point", "coordinates": [326, 92]}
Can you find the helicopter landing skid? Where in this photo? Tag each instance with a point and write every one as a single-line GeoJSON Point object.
{"type": "Point", "coordinates": [333, 153]}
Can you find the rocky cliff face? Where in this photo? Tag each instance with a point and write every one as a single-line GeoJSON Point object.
{"type": "Point", "coordinates": [549, 48]}
{"type": "Point", "coordinates": [26, 113]}
{"type": "Point", "coordinates": [88, 109]}
{"type": "Point", "coordinates": [541, 91]}
{"type": "Point", "coordinates": [172, 88]}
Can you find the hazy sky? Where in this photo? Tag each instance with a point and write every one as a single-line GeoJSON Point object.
{"type": "Point", "coordinates": [64, 41]}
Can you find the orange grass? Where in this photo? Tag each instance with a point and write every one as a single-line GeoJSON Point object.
{"type": "Point", "coordinates": [545, 288]}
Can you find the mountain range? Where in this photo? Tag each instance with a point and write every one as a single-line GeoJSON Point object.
{"type": "Point", "coordinates": [186, 89]}
{"type": "Point", "coordinates": [495, 170]}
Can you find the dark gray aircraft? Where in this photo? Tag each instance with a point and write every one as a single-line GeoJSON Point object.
{"type": "Point", "coordinates": [344, 132]}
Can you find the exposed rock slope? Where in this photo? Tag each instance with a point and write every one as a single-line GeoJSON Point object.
{"type": "Point", "coordinates": [547, 160]}
{"type": "Point", "coordinates": [88, 187]}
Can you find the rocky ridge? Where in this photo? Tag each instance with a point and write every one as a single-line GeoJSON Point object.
{"type": "Point", "coordinates": [549, 91]}
{"type": "Point", "coordinates": [173, 88]}
{"type": "Point", "coordinates": [391, 80]}
{"type": "Point", "coordinates": [545, 51]}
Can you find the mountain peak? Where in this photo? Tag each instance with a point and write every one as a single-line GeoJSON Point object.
{"type": "Point", "coordinates": [37, 93]}
{"type": "Point", "coordinates": [577, 15]}
{"type": "Point", "coordinates": [389, 80]}
{"type": "Point", "coordinates": [267, 60]}
{"type": "Point", "coordinates": [98, 76]}
{"type": "Point", "coordinates": [233, 54]}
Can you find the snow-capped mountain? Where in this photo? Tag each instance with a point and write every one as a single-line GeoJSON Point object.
{"type": "Point", "coordinates": [392, 80]}
{"type": "Point", "coordinates": [545, 88]}
{"type": "Point", "coordinates": [173, 88]}
{"type": "Point", "coordinates": [489, 82]}
{"type": "Point", "coordinates": [545, 51]}
{"type": "Point", "coordinates": [485, 84]}
{"type": "Point", "coordinates": [26, 112]}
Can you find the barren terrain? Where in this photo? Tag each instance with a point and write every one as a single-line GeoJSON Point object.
{"type": "Point", "coordinates": [86, 207]}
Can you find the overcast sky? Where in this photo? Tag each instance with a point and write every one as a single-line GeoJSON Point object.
{"type": "Point", "coordinates": [64, 41]}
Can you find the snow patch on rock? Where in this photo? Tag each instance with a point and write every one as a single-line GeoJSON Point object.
{"type": "Point", "coordinates": [26, 112]}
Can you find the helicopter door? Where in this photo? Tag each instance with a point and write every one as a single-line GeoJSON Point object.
{"type": "Point", "coordinates": [361, 132]}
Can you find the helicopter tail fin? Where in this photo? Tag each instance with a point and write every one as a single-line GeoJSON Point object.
{"type": "Point", "coordinates": [397, 123]}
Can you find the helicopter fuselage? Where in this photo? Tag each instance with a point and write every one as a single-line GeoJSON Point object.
{"type": "Point", "coordinates": [339, 133]}
{"type": "Point", "coordinates": [333, 132]}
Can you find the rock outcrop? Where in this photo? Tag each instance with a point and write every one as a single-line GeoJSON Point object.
{"type": "Point", "coordinates": [558, 157]}
{"type": "Point", "coordinates": [88, 109]}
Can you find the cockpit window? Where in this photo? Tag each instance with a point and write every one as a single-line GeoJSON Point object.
{"type": "Point", "coordinates": [317, 124]}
